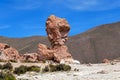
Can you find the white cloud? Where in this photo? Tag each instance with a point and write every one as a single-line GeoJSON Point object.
{"type": "Point", "coordinates": [4, 26]}
{"type": "Point", "coordinates": [91, 5]}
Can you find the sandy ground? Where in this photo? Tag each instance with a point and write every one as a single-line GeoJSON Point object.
{"type": "Point", "coordinates": [104, 71]}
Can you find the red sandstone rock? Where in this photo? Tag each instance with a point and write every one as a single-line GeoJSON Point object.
{"type": "Point", "coordinates": [8, 53]}
{"type": "Point", "coordinates": [3, 46]}
{"type": "Point", "coordinates": [44, 52]}
{"type": "Point", "coordinates": [30, 57]}
{"type": "Point", "coordinates": [57, 31]}
{"type": "Point", "coordinates": [61, 52]}
{"type": "Point", "coordinates": [106, 61]}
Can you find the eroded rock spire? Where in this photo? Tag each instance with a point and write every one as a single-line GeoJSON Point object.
{"type": "Point", "coordinates": [57, 31]}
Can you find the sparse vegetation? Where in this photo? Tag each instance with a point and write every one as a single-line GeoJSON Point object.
{"type": "Point", "coordinates": [7, 66]}
{"type": "Point", "coordinates": [58, 67]}
{"type": "Point", "coordinates": [33, 68]}
{"type": "Point", "coordinates": [23, 69]}
{"type": "Point", "coordinates": [7, 76]}
{"type": "Point", "coordinates": [28, 61]}
{"type": "Point", "coordinates": [65, 67]}
{"type": "Point", "coordinates": [46, 69]}
{"type": "Point", "coordinates": [76, 69]}
{"type": "Point", "coordinates": [1, 66]}
{"type": "Point", "coordinates": [3, 60]}
{"type": "Point", "coordinates": [14, 61]}
{"type": "Point", "coordinates": [53, 68]}
{"type": "Point", "coordinates": [44, 61]}
{"type": "Point", "coordinates": [20, 70]}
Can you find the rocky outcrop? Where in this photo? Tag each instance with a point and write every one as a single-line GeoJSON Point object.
{"type": "Point", "coordinates": [8, 53]}
{"type": "Point", "coordinates": [3, 46]}
{"type": "Point", "coordinates": [29, 57]}
{"type": "Point", "coordinates": [61, 52]}
{"type": "Point", "coordinates": [57, 30]}
{"type": "Point", "coordinates": [106, 61]}
{"type": "Point", "coordinates": [44, 52]}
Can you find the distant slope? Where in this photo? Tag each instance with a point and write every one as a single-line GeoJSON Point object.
{"type": "Point", "coordinates": [96, 44]}
{"type": "Point", "coordinates": [91, 46]}
{"type": "Point", "coordinates": [23, 45]}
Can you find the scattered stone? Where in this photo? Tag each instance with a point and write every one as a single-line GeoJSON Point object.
{"type": "Point", "coordinates": [89, 64]}
{"type": "Point", "coordinates": [69, 61]}
{"type": "Point", "coordinates": [113, 63]}
{"type": "Point", "coordinates": [76, 69]}
{"type": "Point", "coordinates": [102, 72]}
{"type": "Point", "coordinates": [75, 75]}
{"type": "Point", "coordinates": [106, 61]}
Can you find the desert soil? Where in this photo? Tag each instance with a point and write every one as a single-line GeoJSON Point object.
{"type": "Point", "coordinates": [104, 71]}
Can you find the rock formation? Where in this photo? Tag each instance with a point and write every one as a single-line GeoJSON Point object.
{"type": "Point", "coordinates": [29, 57]}
{"type": "Point", "coordinates": [8, 53]}
{"type": "Point", "coordinates": [44, 52]}
{"type": "Point", "coordinates": [106, 61]}
{"type": "Point", "coordinates": [57, 30]}
{"type": "Point", "coordinates": [3, 46]}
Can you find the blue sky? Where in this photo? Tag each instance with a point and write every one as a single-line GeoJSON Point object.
{"type": "Point", "coordinates": [23, 18]}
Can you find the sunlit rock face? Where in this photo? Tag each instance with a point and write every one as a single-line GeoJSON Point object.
{"type": "Point", "coordinates": [57, 30]}
{"type": "Point", "coordinates": [3, 46]}
{"type": "Point", "coordinates": [29, 57]}
{"type": "Point", "coordinates": [44, 52]}
{"type": "Point", "coordinates": [8, 53]}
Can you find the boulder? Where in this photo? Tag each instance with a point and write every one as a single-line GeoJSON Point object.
{"type": "Point", "coordinates": [29, 57]}
{"type": "Point", "coordinates": [106, 61]}
{"type": "Point", "coordinates": [3, 46]}
{"type": "Point", "coordinates": [8, 53]}
{"type": "Point", "coordinates": [44, 53]}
